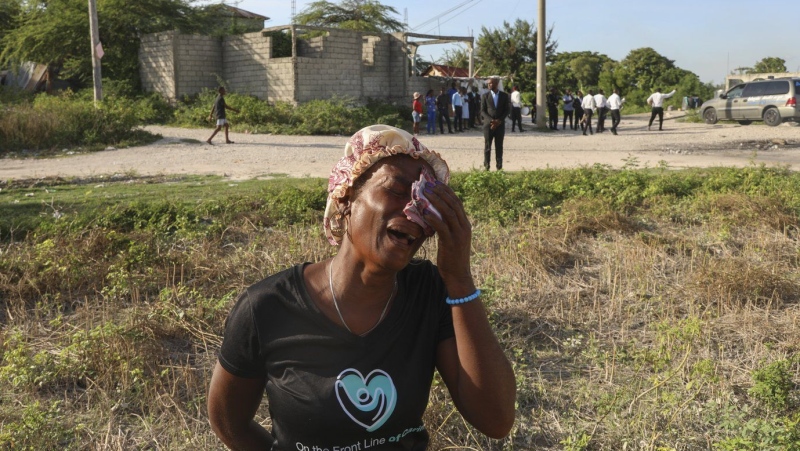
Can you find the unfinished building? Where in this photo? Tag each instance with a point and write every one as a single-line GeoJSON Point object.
{"type": "Point", "coordinates": [290, 63]}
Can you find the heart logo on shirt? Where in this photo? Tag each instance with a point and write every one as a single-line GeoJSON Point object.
{"type": "Point", "coordinates": [368, 401]}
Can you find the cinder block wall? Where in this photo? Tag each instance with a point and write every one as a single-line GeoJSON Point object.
{"type": "Point", "coordinates": [381, 57]}
{"type": "Point", "coordinates": [422, 85]}
{"type": "Point", "coordinates": [245, 63]}
{"type": "Point", "coordinates": [156, 67]}
{"type": "Point", "coordinates": [350, 64]}
{"type": "Point", "coordinates": [334, 68]}
{"type": "Point", "coordinates": [198, 63]}
{"type": "Point", "coordinates": [280, 80]}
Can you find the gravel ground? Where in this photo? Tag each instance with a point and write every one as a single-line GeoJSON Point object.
{"type": "Point", "coordinates": [679, 145]}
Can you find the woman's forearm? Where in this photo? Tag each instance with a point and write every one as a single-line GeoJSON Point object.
{"type": "Point", "coordinates": [486, 384]}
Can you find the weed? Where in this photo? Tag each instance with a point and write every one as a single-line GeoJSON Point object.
{"type": "Point", "coordinates": [37, 427]}
{"type": "Point", "coordinates": [773, 386]}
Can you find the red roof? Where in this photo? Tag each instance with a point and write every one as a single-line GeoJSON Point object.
{"type": "Point", "coordinates": [440, 70]}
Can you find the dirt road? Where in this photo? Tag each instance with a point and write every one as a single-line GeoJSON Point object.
{"type": "Point", "coordinates": [680, 145]}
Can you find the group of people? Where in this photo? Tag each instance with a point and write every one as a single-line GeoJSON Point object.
{"type": "Point", "coordinates": [579, 110]}
{"type": "Point", "coordinates": [462, 103]}
{"type": "Point", "coordinates": [582, 108]}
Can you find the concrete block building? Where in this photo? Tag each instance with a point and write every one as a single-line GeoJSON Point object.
{"type": "Point", "coordinates": [289, 63]}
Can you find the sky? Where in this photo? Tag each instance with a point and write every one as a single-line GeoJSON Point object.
{"type": "Point", "coordinates": [708, 37]}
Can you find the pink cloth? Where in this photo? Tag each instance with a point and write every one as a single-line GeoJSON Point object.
{"type": "Point", "coordinates": [419, 203]}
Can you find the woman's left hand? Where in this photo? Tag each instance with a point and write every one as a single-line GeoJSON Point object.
{"type": "Point", "coordinates": [455, 239]}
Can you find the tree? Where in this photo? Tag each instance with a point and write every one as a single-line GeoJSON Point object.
{"type": "Point", "coordinates": [690, 85]}
{"type": "Point", "coordinates": [559, 72]}
{"type": "Point", "coordinates": [770, 64]}
{"type": "Point", "coordinates": [56, 32]}
{"type": "Point", "coordinates": [359, 15]}
{"type": "Point", "coordinates": [9, 14]}
{"type": "Point", "coordinates": [644, 68]}
{"type": "Point", "coordinates": [511, 51]}
{"type": "Point", "coordinates": [457, 57]}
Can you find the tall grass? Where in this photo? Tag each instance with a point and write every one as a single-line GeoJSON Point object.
{"type": "Point", "coordinates": [641, 310]}
{"type": "Point", "coordinates": [68, 120]}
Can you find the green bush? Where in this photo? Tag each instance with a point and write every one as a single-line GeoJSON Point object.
{"type": "Point", "coordinates": [10, 95]}
{"type": "Point", "coordinates": [68, 119]}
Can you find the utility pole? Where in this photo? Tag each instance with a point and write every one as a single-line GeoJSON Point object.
{"type": "Point", "coordinates": [541, 70]}
{"type": "Point", "coordinates": [94, 33]}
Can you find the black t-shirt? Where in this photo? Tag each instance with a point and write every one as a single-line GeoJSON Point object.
{"type": "Point", "coordinates": [219, 107]}
{"type": "Point", "coordinates": [327, 388]}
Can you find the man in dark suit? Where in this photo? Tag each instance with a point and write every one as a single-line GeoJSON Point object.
{"type": "Point", "coordinates": [495, 107]}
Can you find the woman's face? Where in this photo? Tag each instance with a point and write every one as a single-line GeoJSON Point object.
{"type": "Point", "coordinates": [379, 231]}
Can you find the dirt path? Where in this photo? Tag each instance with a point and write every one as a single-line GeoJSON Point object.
{"type": "Point", "coordinates": [680, 145]}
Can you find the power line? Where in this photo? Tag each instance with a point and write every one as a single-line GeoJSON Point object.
{"type": "Point", "coordinates": [436, 18]}
{"type": "Point", "coordinates": [455, 15]}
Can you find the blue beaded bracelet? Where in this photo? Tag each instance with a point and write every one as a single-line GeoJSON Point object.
{"type": "Point", "coordinates": [469, 298]}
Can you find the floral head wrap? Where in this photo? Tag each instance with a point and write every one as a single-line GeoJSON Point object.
{"type": "Point", "coordinates": [365, 148]}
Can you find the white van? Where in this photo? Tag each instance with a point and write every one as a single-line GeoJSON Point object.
{"type": "Point", "coordinates": [774, 101]}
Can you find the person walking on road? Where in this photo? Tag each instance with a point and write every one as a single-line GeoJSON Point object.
{"type": "Point", "coordinates": [219, 109]}
{"type": "Point", "coordinates": [588, 106]}
{"type": "Point", "coordinates": [495, 107]}
{"type": "Point", "coordinates": [656, 101]}
{"type": "Point", "coordinates": [576, 105]}
{"type": "Point", "coordinates": [516, 108]}
{"type": "Point", "coordinates": [602, 109]}
{"type": "Point", "coordinates": [614, 105]}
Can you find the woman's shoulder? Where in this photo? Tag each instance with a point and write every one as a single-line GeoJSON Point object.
{"type": "Point", "coordinates": [285, 284]}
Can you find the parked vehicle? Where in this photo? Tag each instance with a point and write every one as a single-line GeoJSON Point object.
{"type": "Point", "coordinates": [774, 101]}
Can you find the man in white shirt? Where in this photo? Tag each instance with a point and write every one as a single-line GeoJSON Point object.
{"type": "Point", "coordinates": [516, 108]}
{"type": "Point", "coordinates": [656, 101]}
{"type": "Point", "coordinates": [588, 104]}
{"type": "Point", "coordinates": [614, 105]}
{"type": "Point", "coordinates": [457, 102]}
{"type": "Point", "coordinates": [602, 109]}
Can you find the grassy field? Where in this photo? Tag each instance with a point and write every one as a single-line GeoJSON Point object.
{"type": "Point", "coordinates": [642, 309]}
